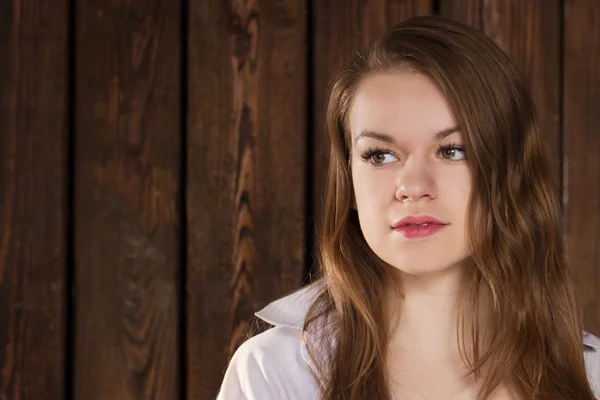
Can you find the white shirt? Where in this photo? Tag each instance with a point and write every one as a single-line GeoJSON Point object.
{"type": "Point", "coordinates": [274, 365]}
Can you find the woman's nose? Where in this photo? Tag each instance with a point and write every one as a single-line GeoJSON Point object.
{"type": "Point", "coordinates": [415, 181]}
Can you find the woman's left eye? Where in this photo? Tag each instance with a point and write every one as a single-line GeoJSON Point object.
{"type": "Point", "coordinates": [450, 152]}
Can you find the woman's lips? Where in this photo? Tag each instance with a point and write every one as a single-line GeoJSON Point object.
{"type": "Point", "coordinates": [418, 232]}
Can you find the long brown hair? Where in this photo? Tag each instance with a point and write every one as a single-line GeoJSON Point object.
{"type": "Point", "coordinates": [534, 338]}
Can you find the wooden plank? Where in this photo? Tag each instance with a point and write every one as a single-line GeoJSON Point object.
{"type": "Point", "coordinates": [246, 175]}
{"type": "Point", "coordinates": [469, 12]}
{"type": "Point", "coordinates": [529, 31]}
{"type": "Point", "coordinates": [581, 164]}
{"type": "Point", "coordinates": [126, 200]}
{"type": "Point", "coordinates": [33, 182]}
{"type": "Point", "coordinates": [339, 27]}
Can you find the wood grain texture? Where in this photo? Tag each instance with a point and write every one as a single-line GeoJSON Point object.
{"type": "Point", "coordinates": [339, 27]}
{"type": "Point", "coordinates": [33, 173]}
{"type": "Point", "coordinates": [581, 164]}
{"type": "Point", "coordinates": [246, 172]}
{"type": "Point", "coordinates": [126, 199]}
{"type": "Point", "coordinates": [469, 12]}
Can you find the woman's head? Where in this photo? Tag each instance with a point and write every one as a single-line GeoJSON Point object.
{"type": "Point", "coordinates": [433, 119]}
{"type": "Point", "coordinates": [421, 78]}
{"type": "Point", "coordinates": [407, 159]}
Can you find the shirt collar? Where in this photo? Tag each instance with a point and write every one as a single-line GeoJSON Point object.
{"type": "Point", "coordinates": [290, 311]}
{"type": "Point", "coordinates": [591, 341]}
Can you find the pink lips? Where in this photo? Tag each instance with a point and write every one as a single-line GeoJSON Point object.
{"type": "Point", "coordinates": [416, 227]}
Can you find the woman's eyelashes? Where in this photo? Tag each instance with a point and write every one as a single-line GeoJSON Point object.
{"type": "Point", "coordinates": [373, 155]}
{"type": "Point", "coordinates": [377, 156]}
{"type": "Point", "coordinates": [451, 149]}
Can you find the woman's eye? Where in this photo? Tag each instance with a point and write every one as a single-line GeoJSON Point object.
{"type": "Point", "coordinates": [377, 157]}
{"type": "Point", "coordinates": [453, 152]}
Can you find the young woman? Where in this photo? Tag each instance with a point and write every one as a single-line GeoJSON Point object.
{"type": "Point", "coordinates": [443, 270]}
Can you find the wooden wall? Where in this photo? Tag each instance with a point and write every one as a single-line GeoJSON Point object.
{"type": "Point", "coordinates": [162, 171]}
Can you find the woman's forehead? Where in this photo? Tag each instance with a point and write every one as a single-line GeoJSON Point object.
{"type": "Point", "coordinates": [400, 103]}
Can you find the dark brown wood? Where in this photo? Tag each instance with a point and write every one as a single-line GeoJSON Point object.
{"type": "Point", "coordinates": [126, 199]}
{"type": "Point", "coordinates": [33, 173]}
{"type": "Point", "coordinates": [469, 12]}
{"type": "Point", "coordinates": [339, 27]}
{"type": "Point", "coordinates": [246, 175]}
{"type": "Point", "coordinates": [581, 161]}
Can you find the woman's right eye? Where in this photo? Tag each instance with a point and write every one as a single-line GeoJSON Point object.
{"type": "Point", "coordinates": [376, 157]}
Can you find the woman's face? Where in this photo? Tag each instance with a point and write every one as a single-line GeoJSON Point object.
{"type": "Point", "coordinates": [408, 160]}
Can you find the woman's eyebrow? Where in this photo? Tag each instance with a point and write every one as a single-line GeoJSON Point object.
{"type": "Point", "coordinates": [445, 132]}
{"type": "Point", "coordinates": [389, 139]}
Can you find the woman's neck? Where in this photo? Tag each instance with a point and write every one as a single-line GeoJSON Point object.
{"type": "Point", "coordinates": [423, 316]}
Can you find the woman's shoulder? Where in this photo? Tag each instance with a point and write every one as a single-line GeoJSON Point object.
{"type": "Point", "coordinates": [275, 364]}
{"type": "Point", "coordinates": [276, 345]}
{"type": "Point", "coordinates": [267, 366]}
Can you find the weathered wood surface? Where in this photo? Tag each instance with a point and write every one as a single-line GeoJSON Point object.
{"type": "Point", "coordinates": [581, 151]}
{"type": "Point", "coordinates": [246, 172]}
{"type": "Point", "coordinates": [127, 195]}
{"type": "Point", "coordinates": [33, 198]}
